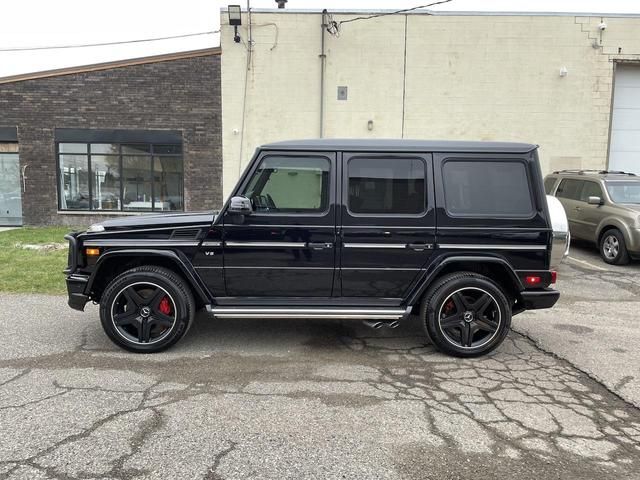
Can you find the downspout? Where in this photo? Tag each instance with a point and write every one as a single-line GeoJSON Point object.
{"type": "Point", "coordinates": [323, 59]}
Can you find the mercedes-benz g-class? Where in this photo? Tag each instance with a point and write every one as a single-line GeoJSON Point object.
{"type": "Point", "coordinates": [459, 233]}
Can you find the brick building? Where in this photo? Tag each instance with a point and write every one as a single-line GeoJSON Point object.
{"type": "Point", "coordinates": [84, 143]}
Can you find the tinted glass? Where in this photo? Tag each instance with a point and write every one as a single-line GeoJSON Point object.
{"type": "Point", "coordinates": [136, 149]}
{"type": "Point", "coordinates": [386, 186]}
{"type": "Point", "coordinates": [74, 182]}
{"type": "Point", "coordinates": [136, 175]}
{"type": "Point", "coordinates": [167, 149]}
{"type": "Point", "coordinates": [487, 188]}
{"type": "Point", "coordinates": [590, 189]}
{"type": "Point", "coordinates": [72, 148]}
{"type": "Point", "coordinates": [624, 192]}
{"type": "Point", "coordinates": [109, 148]}
{"type": "Point", "coordinates": [105, 177]}
{"type": "Point", "coordinates": [290, 185]}
{"type": "Point", "coordinates": [549, 182]}
{"type": "Point", "coordinates": [120, 177]}
{"type": "Point", "coordinates": [569, 189]}
{"type": "Point", "coordinates": [167, 183]}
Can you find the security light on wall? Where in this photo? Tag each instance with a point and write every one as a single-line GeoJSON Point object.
{"type": "Point", "coordinates": [235, 19]}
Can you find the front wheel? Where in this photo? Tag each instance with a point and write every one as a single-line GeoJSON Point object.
{"type": "Point", "coordinates": [613, 248]}
{"type": "Point", "coordinates": [146, 309]}
{"type": "Point", "coordinates": [466, 314]}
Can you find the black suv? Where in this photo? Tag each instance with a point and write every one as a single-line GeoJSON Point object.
{"type": "Point", "coordinates": [459, 233]}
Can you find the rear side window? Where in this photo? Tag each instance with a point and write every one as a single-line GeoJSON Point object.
{"type": "Point", "coordinates": [386, 186]}
{"type": "Point", "coordinates": [549, 182]}
{"type": "Point", "coordinates": [487, 188]}
{"type": "Point", "coordinates": [570, 189]}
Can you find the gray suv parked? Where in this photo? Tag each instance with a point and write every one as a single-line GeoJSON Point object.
{"type": "Point", "coordinates": [603, 207]}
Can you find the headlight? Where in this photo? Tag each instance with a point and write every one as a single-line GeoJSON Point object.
{"type": "Point", "coordinates": [96, 227]}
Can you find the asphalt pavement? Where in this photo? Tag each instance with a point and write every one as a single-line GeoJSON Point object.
{"type": "Point", "coordinates": [298, 399]}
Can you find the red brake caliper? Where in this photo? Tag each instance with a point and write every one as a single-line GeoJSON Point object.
{"type": "Point", "coordinates": [165, 306]}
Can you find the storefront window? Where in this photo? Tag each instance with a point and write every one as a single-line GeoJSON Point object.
{"type": "Point", "coordinates": [115, 177]}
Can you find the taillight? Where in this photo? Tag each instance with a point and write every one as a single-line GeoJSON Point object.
{"type": "Point", "coordinates": [533, 280]}
{"type": "Point", "coordinates": [554, 277]}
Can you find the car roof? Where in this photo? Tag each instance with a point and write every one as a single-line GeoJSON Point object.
{"type": "Point", "coordinates": [353, 144]}
{"type": "Point", "coordinates": [596, 175]}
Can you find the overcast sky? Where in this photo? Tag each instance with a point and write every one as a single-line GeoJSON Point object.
{"type": "Point", "coordinates": [37, 23]}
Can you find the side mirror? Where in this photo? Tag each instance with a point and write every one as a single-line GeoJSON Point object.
{"type": "Point", "coordinates": [240, 206]}
{"type": "Point", "coordinates": [595, 201]}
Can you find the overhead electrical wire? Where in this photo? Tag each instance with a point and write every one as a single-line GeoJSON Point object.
{"type": "Point", "coordinates": [123, 42]}
{"type": "Point", "coordinates": [333, 27]}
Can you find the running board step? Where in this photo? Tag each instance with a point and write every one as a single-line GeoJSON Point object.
{"type": "Point", "coordinates": [283, 312]}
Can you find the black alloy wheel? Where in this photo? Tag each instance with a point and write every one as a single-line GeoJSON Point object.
{"type": "Point", "coordinates": [466, 314]}
{"type": "Point", "coordinates": [469, 317]}
{"type": "Point", "coordinates": [143, 313]}
{"type": "Point", "coordinates": [146, 309]}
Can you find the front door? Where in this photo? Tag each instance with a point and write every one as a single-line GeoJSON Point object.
{"type": "Point", "coordinates": [286, 247]}
{"type": "Point", "coordinates": [10, 188]}
{"type": "Point", "coordinates": [387, 223]}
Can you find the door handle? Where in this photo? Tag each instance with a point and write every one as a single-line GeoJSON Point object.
{"type": "Point", "coordinates": [420, 246]}
{"type": "Point", "coordinates": [319, 245]}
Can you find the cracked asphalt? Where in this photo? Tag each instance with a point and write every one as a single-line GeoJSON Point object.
{"type": "Point", "coordinates": [282, 399]}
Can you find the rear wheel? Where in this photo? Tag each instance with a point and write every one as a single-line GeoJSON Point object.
{"type": "Point", "coordinates": [466, 314]}
{"type": "Point", "coordinates": [146, 309]}
{"type": "Point", "coordinates": [613, 248]}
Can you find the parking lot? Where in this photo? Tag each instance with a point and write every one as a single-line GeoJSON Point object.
{"type": "Point", "coordinates": [321, 399]}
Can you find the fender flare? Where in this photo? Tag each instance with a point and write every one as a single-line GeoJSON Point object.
{"type": "Point", "coordinates": [200, 291]}
{"type": "Point", "coordinates": [609, 222]}
{"type": "Point", "coordinates": [436, 267]}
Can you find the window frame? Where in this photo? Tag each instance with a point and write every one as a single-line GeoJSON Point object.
{"type": "Point", "coordinates": [483, 159]}
{"type": "Point", "coordinates": [151, 156]}
{"type": "Point", "coordinates": [328, 156]}
{"type": "Point", "coordinates": [393, 158]}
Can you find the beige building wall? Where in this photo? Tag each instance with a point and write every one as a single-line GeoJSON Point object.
{"type": "Point", "coordinates": [466, 77]}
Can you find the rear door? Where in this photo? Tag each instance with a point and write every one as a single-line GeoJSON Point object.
{"type": "Point", "coordinates": [568, 193]}
{"type": "Point", "coordinates": [387, 223]}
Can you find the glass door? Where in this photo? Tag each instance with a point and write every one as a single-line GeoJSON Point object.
{"type": "Point", "coordinates": [10, 188]}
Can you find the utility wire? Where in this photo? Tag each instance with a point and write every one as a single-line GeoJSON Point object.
{"type": "Point", "coordinates": [56, 47]}
{"type": "Point", "coordinates": [384, 14]}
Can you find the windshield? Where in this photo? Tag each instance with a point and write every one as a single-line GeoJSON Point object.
{"type": "Point", "coordinates": [624, 192]}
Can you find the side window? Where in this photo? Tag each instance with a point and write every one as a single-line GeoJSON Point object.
{"type": "Point", "coordinates": [487, 188]}
{"type": "Point", "coordinates": [549, 183]}
{"type": "Point", "coordinates": [590, 189]}
{"type": "Point", "coordinates": [386, 186]}
{"type": "Point", "coordinates": [290, 185]}
{"type": "Point", "coordinates": [570, 189]}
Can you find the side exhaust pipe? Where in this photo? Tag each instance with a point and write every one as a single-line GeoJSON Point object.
{"type": "Point", "coordinates": [378, 324]}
